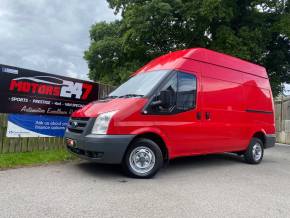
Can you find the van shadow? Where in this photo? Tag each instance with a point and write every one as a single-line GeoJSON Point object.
{"type": "Point", "coordinates": [183, 163]}
{"type": "Point", "coordinates": [101, 170]}
{"type": "Point", "coordinates": [204, 161]}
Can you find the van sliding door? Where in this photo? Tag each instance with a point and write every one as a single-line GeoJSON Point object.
{"type": "Point", "coordinates": [223, 103]}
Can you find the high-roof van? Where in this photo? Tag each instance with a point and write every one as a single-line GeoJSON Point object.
{"type": "Point", "coordinates": [190, 102]}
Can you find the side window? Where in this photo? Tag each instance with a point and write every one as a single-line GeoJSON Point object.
{"type": "Point", "coordinates": [186, 92]}
{"type": "Point", "coordinates": [171, 88]}
{"type": "Point", "coordinates": [181, 88]}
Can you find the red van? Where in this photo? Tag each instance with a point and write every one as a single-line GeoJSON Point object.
{"type": "Point", "coordinates": [189, 102]}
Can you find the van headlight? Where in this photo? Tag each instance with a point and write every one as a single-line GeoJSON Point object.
{"type": "Point", "coordinates": [102, 123]}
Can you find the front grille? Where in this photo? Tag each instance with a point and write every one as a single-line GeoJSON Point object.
{"type": "Point", "coordinates": [77, 125]}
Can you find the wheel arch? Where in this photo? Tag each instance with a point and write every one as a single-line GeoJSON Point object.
{"type": "Point", "coordinates": [155, 136]}
{"type": "Point", "coordinates": [260, 135]}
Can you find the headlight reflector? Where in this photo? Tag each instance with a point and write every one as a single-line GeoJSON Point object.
{"type": "Point", "coordinates": [102, 122]}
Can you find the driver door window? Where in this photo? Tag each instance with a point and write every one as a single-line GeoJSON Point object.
{"type": "Point", "coordinates": [182, 88]}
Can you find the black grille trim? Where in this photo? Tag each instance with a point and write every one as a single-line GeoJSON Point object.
{"type": "Point", "coordinates": [77, 124]}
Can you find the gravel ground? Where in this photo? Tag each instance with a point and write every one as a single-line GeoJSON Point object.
{"type": "Point", "coordinates": [207, 186]}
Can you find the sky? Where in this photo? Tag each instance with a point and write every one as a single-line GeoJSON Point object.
{"type": "Point", "coordinates": [49, 35]}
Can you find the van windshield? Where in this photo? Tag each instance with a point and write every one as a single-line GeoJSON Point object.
{"type": "Point", "coordinates": [139, 85]}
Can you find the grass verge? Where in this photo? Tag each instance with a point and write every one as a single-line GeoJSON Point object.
{"type": "Point", "coordinates": [33, 158]}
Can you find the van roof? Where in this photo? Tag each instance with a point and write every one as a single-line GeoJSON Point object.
{"type": "Point", "coordinates": [171, 60]}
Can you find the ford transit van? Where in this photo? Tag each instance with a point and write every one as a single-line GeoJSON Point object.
{"type": "Point", "coordinates": [189, 102]}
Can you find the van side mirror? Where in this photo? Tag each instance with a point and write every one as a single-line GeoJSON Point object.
{"type": "Point", "coordinates": [165, 99]}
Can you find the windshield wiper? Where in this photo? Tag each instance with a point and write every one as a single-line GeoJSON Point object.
{"type": "Point", "coordinates": [130, 96]}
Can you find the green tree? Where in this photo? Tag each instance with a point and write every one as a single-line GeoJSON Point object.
{"type": "Point", "coordinates": [255, 30]}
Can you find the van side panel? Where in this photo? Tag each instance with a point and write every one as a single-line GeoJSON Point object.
{"type": "Point", "coordinates": [234, 100]}
{"type": "Point", "coordinates": [223, 98]}
{"type": "Point", "coordinates": [258, 99]}
{"type": "Point", "coordinates": [259, 105]}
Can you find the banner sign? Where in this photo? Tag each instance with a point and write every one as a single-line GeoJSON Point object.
{"type": "Point", "coordinates": [36, 126]}
{"type": "Point", "coordinates": [33, 92]}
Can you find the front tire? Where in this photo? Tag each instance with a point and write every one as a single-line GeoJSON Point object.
{"type": "Point", "coordinates": [143, 159]}
{"type": "Point", "coordinates": [255, 151]}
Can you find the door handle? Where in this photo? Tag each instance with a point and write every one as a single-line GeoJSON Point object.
{"type": "Point", "coordinates": [198, 115]}
{"type": "Point", "coordinates": [207, 115]}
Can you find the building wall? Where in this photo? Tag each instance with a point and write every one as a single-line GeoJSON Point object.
{"type": "Point", "coordinates": [282, 119]}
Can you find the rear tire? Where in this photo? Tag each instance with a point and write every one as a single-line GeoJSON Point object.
{"type": "Point", "coordinates": [143, 159]}
{"type": "Point", "coordinates": [255, 151]}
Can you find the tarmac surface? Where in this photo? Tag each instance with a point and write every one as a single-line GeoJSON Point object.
{"type": "Point", "coordinates": [206, 186]}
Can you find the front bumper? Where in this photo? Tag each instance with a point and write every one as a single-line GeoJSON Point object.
{"type": "Point", "coordinates": [99, 148]}
{"type": "Point", "coordinates": [270, 140]}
